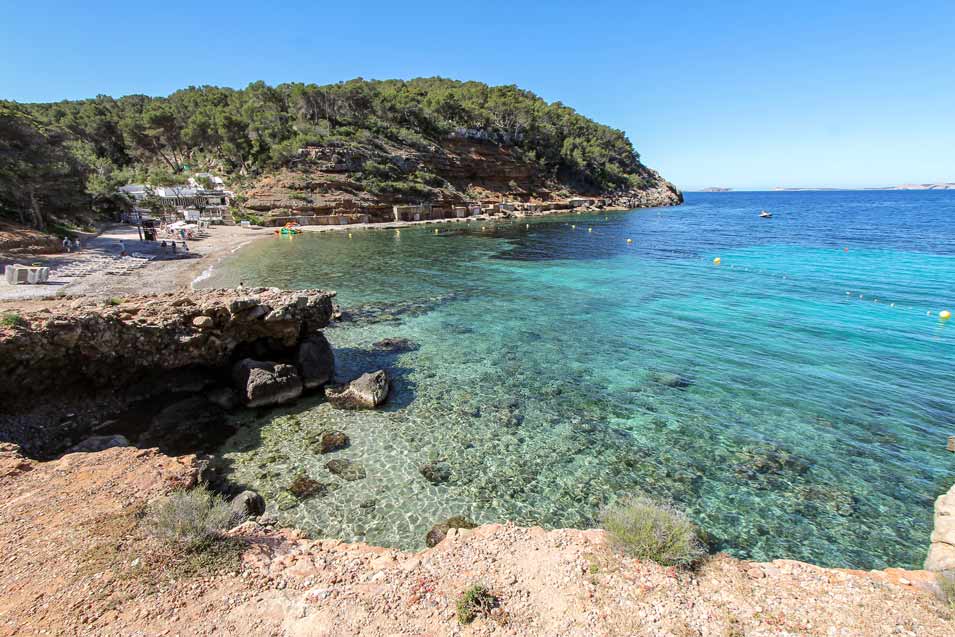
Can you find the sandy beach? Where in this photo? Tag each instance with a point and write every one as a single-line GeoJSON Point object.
{"type": "Point", "coordinates": [97, 269]}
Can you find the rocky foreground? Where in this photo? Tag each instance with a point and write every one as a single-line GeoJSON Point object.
{"type": "Point", "coordinates": [75, 562]}
{"type": "Point", "coordinates": [75, 559]}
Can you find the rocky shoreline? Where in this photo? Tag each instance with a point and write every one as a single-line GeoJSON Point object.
{"type": "Point", "coordinates": [174, 364]}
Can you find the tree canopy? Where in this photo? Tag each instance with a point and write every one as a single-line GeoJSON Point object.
{"type": "Point", "coordinates": [104, 141]}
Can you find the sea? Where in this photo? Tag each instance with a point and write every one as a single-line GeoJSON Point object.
{"type": "Point", "coordinates": [787, 382]}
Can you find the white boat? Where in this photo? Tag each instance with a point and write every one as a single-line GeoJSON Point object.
{"type": "Point", "coordinates": [765, 214]}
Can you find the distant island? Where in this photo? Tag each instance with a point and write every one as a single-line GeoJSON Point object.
{"type": "Point", "coordinates": [937, 186]}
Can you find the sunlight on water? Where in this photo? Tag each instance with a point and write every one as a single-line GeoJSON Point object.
{"type": "Point", "coordinates": [794, 400]}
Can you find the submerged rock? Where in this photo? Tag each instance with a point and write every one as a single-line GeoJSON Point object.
{"type": "Point", "coordinates": [396, 345]}
{"type": "Point", "coordinates": [315, 361]}
{"type": "Point", "coordinates": [266, 383]}
{"type": "Point", "coordinates": [303, 487]}
{"type": "Point", "coordinates": [248, 504]}
{"type": "Point", "coordinates": [365, 392]}
{"type": "Point", "coordinates": [436, 472]}
{"type": "Point", "coordinates": [674, 381]}
{"type": "Point", "coordinates": [346, 469]}
{"type": "Point", "coordinates": [439, 531]}
{"type": "Point", "coordinates": [327, 441]}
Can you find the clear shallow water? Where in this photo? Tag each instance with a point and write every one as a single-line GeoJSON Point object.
{"type": "Point", "coordinates": [811, 422]}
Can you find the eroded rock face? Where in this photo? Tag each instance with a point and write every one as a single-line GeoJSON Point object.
{"type": "Point", "coordinates": [265, 383]}
{"type": "Point", "coordinates": [315, 361]}
{"type": "Point", "coordinates": [90, 343]}
{"type": "Point", "coordinates": [365, 392]}
{"type": "Point", "coordinates": [941, 552]}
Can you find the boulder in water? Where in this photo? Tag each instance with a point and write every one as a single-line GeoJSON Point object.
{"type": "Point", "coordinates": [315, 361]}
{"type": "Point", "coordinates": [365, 392]}
{"type": "Point", "coordinates": [439, 531]}
{"type": "Point", "coordinates": [266, 383]}
{"type": "Point", "coordinates": [248, 504]}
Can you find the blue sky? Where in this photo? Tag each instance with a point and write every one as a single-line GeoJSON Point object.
{"type": "Point", "coordinates": [744, 94]}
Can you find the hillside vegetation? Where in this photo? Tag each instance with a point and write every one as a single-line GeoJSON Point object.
{"type": "Point", "coordinates": [66, 157]}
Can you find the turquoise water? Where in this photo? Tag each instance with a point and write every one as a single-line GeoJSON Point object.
{"type": "Point", "coordinates": [780, 398]}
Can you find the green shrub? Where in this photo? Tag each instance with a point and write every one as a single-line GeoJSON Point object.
{"type": "Point", "coordinates": [644, 529]}
{"type": "Point", "coordinates": [244, 215]}
{"type": "Point", "coordinates": [12, 319]}
{"type": "Point", "coordinates": [474, 602]}
{"type": "Point", "coordinates": [193, 520]}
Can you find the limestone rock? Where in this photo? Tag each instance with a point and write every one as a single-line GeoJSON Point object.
{"type": "Point", "coordinates": [99, 443]}
{"type": "Point", "coordinates": [203, 322]}
{"type": "Point", "coordinates": [346, 469]}
{"type": "Point", "coordinates": [248, 504]}
{"type": "Point", "coordinates": [265, 383]}
{"type": "Point", "coordinates": [941, 552]}
{"type": "Point", "coordinates": [315, 361]}
{"type": "Point", "coordinates": [85, 345]}
{"type": "Point", "coordinates": [439, 531]}
{"type": "Point", "coordinates": [365, 392]}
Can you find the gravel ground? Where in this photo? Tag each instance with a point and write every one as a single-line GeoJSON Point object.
{"type": "Point", "coordinates": [74, 560]}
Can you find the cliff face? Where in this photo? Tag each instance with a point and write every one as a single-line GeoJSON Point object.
{"type": "Point", "coordinates": [336, 179]}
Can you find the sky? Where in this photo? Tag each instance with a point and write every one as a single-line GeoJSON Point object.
{"type": "Point", "coordinates": [746, 95]}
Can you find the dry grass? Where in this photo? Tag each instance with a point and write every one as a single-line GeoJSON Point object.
{"type": "Point", "coordinates": [192, 520]}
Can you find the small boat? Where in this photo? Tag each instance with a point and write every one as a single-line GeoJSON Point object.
{"type": "Point", "coordinates": [765, 214]}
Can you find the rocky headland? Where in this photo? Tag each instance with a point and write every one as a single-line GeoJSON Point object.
{"type": "Point", "coordinates": [77, 478]}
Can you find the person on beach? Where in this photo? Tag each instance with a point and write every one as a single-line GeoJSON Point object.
{"type": "Point", "coordinates": [66, 244]}
{"type": "Point", "coordinates": [163, 246]}
{"type": "Point", "coordinates": [173, 244]}
{"type": "Point", "coordinates": [122, 248]}
{"type": "Point", "coordinates": [185, 247]}
{"type": "Point", "coordinates": [76, 244]}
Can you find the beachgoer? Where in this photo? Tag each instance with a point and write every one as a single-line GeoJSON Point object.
{"type": "Point", "coordinates": [76, 244]}
{"type": "Point", "coordinates": [162, 246]}
{"type": "Point", "coordinates": [66, 244]}
{"type": "Point", "coordinates": [185, 248]}
{"type": "Point", "coordinates": [173, 243]}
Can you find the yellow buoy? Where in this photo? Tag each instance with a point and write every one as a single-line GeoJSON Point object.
{"type": "Point", "coordinates": [574, 227]}
{"type": "Point", "coordinates": [945, 315]}
{"type": "Point", "coordinates": [349, 235]}
{"type": "Point", "coordinates": [436, 231]}
{"type": "Point", "coordinates": [590, 229]}
{"type": "Point", "coordinates": [629, 240]}
{"type": "Point", "coordinates": [716, 261]}
{"type": "Point", "coordinates": [527, 226]}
